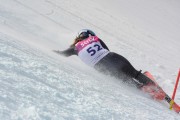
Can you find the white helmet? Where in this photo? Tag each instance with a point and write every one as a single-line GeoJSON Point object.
{"type": "Point", "coordinates": [85, 33]}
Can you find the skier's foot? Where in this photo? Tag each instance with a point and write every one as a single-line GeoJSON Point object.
{"type": "Point", "coordinates": [153, 89]}
{"type": "Point", "coordinates": [156, 92]}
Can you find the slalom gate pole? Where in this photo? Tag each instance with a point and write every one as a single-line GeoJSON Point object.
{"type": "Point", "coordinates": [175, 88]}
{"type": "Point", "coordinates": [176, 85]}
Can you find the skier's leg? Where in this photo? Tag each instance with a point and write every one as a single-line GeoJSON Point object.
{"type": "Point", "coordinates": [143, 79]}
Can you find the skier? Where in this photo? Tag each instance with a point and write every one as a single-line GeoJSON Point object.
{"type": "Point", "coordinates": [94, 52]}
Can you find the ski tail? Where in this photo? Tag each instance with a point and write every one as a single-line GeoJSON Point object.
{"type": "Point", "coordinates": [149, 75]}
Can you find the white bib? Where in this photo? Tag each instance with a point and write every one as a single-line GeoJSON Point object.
{"type": "Point", "coordinates": [90, 50]}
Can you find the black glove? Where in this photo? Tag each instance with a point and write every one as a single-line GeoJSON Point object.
{"type": "Point", "coordinates": [57, 51]}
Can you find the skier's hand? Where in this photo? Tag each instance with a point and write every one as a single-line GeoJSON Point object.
{"type": "Point", "coordinates": [68, 52]}
{"type": "Point", "coordinates": [57, 51]}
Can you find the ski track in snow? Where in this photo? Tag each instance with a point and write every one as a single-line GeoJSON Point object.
{"type": "Point", "coordinates": [36, 84]}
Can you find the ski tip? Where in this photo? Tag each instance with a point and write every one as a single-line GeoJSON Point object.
{"type": "Point", "coordinates": [176, 107]}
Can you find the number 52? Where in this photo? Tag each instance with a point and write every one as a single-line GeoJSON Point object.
{"type": "Point", "coordinates": [94, 49]}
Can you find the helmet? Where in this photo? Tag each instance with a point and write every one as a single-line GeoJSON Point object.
{"type": "Point", "coordinates": [85, 33]}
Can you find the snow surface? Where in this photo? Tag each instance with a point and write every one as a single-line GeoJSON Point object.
{"type": "Point", "coordinates": [36, 84]}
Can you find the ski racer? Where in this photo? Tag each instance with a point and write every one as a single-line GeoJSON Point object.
{"type": "Point", "coordinates": [94, 52]}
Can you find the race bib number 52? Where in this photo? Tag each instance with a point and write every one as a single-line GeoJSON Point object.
{"type": "Point", "coordinates": [94, 49]}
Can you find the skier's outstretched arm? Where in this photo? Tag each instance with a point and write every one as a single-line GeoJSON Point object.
{"type": "Point", "coordinates": [68, 52]}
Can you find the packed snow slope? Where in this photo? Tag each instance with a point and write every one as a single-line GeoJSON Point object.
{"type": "Point", "coordinates": [37, 84]}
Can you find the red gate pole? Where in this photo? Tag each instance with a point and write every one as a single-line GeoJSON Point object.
{"type": "Point", "coordinates": [176, 85]}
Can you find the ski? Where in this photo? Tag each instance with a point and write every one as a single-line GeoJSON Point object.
{"type": "Point", "coordinates": [157, 93]}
